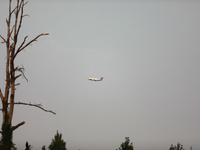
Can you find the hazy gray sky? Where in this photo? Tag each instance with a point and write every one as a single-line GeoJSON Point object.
{"type": "Point", "coordinates": [148, 53]}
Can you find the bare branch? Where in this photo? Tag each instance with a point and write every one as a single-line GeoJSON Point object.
{"type": "Point", "coordinates": [33, 40]}
{"type": "Point", "coordinates": [17, 84]}
{"type": "Point", "coordinates": [22, 71]}
{"type": "Point", "coordinates": [19, 50]}
{"type": "Point", "coordinates": [35, 105]}
{"type": "Point", "coordinates": [12, 30]}
{"type": "Point", "coordinates": [25, 15]}
{"type": "Point", "coordinates": [21, 6]}
{"type": "Point", "coordinates": [11, 38]}
{"type": "Point", "coordinates": [20, 22]}
{"type": "Point", "coordinates": [25, 3]}
{"type": "Point", "coordinates": [20, 47]}
{"type": "Point", "coordinates": [1, 133]}
{"type": "Point", "coordinates": [1, 95]}
{"type": "Point", "coordinates": [18, 76]}
{"type": "Point", "coordinates": [7, 22]}
{"type": "Point", "coordinates": [15, 127]}
{"type": "Point", "coordinates": [3, 39]}
{"type": "Point", "coordinates": [13, 10]}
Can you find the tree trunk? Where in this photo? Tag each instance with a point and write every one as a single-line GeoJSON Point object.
{"type": "Point", "coordinates": [8, 98]}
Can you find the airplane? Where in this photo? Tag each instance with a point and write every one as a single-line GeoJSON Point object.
{"type": "Point", "coordinates": [94, 79]}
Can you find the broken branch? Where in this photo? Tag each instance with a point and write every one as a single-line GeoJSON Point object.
{"type": "Point", "coordinates": [35, 105]}
{"type": "Point", "coordinates": [17, 84]}
{"type": "Point", "coordinates": [15, 127]}
{"type": "Point", "coordinates": [25, 15]}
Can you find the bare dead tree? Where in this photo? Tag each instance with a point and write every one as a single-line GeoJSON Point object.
{"type": "Point", "coordinates": [28, 147]}
{"type": "Point", "coordinates": [14, 72]}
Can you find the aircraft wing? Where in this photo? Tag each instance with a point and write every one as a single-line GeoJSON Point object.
{"type": "Point", "coordinates": [92, 79]}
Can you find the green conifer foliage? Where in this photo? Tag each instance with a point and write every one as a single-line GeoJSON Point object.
{"type": "Point", "coordinates": [176, 147]}
{"type": "Point", "coordinates": [125, 145]}
{"type": "Point", "coordinates": [44, 147]}
{"type": "Point", "coordinates": [6, 139]}
{"type": "Point", "coordinates": [57, 143]}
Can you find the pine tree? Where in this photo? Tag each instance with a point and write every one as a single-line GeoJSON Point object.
{"type": "Point", "coordinates": [176, 147]}
{"type": "Point", "coordinates": [43, 147]}
{"type": "Point", "coordinates": [57, 143]}
{"type": "Point", "coordinates": [126, 145]}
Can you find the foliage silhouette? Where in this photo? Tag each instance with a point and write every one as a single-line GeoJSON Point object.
{"type": "Point", "coordinates": [43, 147]}
{"type": "Point", "coordinates": [6, 142]}
{"type": "Point", "coordinates": [176, 147]}
{"type": "Point", "coordinates": [125, 145]}
{"type": "Point", "coordinates": [57, 143]}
